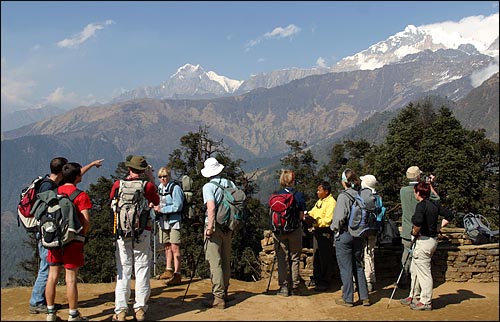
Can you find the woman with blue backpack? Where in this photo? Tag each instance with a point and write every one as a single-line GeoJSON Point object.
{"type": "Point", "coordinates": [349, 249]}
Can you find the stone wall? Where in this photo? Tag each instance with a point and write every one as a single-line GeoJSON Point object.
{"type": "Point", "coordinates": [456, 260]}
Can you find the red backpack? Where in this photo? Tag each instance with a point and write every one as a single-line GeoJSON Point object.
{"type": "Point", "coordinates": [26, 202]}
{"type": "Point", "coordinates": [283, 212]}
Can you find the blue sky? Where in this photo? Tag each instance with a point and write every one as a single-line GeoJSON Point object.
{"type": "Point", "coordinates": [71, 52]}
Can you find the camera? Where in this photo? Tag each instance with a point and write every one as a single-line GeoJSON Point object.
{"type": "Point", "coordinates": [430, 178]}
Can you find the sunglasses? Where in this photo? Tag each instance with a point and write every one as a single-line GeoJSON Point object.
{"type": "Point", "coordinates": [163, 177]}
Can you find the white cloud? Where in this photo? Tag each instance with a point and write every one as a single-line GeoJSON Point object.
{"type": "Point", "coordinates": [479, 30]}
{"type": "Point", "coordinates": [87, 32]}
{"type": "Point", "coordinates": [15, 90]}
{"type": "Point", "coordinates": [277, 33]}
{"type": "Point", "coordinates": [320, 62]}
{"type": "Point", "coordinates": [35, 47]}
{"type": "Point", "coordinates": [261, 60]}
{"type": "Point", "coordinates": [62, 99]}
{"type": "Point", "coordinates": [478, 77]}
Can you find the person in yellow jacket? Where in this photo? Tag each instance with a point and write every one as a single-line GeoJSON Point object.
{"type": "Point", "coordinates": [321, 216]}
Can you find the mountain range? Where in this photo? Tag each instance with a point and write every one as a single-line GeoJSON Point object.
{"type": "Point", "coordinates": [255, 117]}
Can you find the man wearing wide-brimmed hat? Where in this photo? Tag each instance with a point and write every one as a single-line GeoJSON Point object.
{"type": "Point", "coordinates": [134, 253]}
{"type": "Point", "coordinates": [217, 240]}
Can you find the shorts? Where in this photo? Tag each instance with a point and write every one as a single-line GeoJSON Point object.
{"type": "Point", "coordinates": [72, 257]}
{"type": "Point", "coordinates": [172, 236]}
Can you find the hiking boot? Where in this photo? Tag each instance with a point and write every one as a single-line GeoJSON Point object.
{"type": "Point", "coordinates": [119, 316]}
{"type": "Point", "coordinates": [168, 274]}
{"type": "Point", "coordinates": [140, 315]}
{"type": "Point", "coordinates": [51, 315]}
{"type": "Point", "coordinates": [343, 303]}
{"type": "Point", "coordinates": [419, 306]}
{"type": "Point", "coordinates": [77, 317]}
{"type": "Point", "coordinates": [175, 280]}
{"type": "Point", "coordinates": [406, 301]}
{"type": "Point", "coordinates": [216, 303]}
{"type": "Point", "coordinates": [366, 302]}
{"type": "Point", "coordinates": [283, 291]}
{"type": "Point", "coordinates": [295, 291]}
{"type": "Point", "coordinates": [35, 309]}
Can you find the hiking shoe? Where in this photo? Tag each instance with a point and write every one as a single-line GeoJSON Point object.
{"type": "Point", "coordinates": [216, 303]}
{"type": "Point", "coordinates": [406, 301]}
{"type": "Point", "coordinates": [168, 274]}
{"type": "Point", "coordinates": [77, 317]}
{"type": "Point", "coordinates": [140, 315]}
{"type": "Point", "coordinates": [295, 291]}
{"type": "Point", "coordinates": [283, 291]}
{"type": "Point", "coordinates": [35, 309]}
{"type": "Point", "coordinates": [119, 316]}
{"type": "Point", "coordinates": [51, 315]}
{"type": "Point", "coordinates": [366, 302]}
{"type": "Point", "coordinates": [419, 306]}
{"type": "Point", "coordinates": [343, 303]}
{"type": "Point", "coordinates": [175, 280]}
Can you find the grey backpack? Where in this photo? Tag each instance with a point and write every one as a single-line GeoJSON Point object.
{"type": "Point", "coordinates": [132, 209]}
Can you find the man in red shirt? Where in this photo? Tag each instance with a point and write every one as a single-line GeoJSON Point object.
{"type": "Point", "coordinates": [134, 252]}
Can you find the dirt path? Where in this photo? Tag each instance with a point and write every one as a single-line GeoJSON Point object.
{"type": "Point", "coordinates": [451, 302]}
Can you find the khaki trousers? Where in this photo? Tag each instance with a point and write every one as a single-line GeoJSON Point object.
{"type": "Point", "coordinates": [218, 255]}
{"type": "Point", "coordinates": [288, 248]}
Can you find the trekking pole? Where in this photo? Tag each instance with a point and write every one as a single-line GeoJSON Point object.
{"type": "Point", "coordinates": [153, 214]}
{"type": "Point", "coordinates": [271, 275]}
{"type": "Point", "coordinates": [410, 251]}
{"type": "Point", "coordinates": [194, 269]}
{"type": "Point", "coordinates": [272, 267]}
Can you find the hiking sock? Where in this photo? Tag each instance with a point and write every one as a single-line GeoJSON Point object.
{"type": "Point", "coordinates": [51, 308]}
{"type": "Point", "coordinates": [73, 313]}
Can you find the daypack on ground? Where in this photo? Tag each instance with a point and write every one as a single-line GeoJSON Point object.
{"type": "Point", "coordinates": [27, 200]}
{"type": "Point", "coordinates": [186, 185]}
{"type": "Point", "coordinates": [362, 222]}
{"type": "Point", "coordinates": [477, 231]}
{"type": "Point", "coordinates": [58, 218]}
{"type": "Point", "coordinates": [132, 208]}
{"type": "Point", "coordinates": [231, 210]}
{"type": "Point", "coordinates": [283, 212]}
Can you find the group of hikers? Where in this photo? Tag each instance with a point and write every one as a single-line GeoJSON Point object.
{"type": "Point", "coordinates": [138, 194]}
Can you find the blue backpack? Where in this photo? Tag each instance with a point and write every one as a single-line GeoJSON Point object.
{"type": "Point", "coordinates": [362, 219]}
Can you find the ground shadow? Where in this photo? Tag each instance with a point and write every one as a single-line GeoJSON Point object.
{"type": "Point", "coordinates": [454, 298]}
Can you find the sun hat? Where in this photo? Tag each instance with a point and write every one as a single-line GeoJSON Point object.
{"type": "Point", "coordinates": [136, 162]}
{"type": "Point", "coordinates": [413, 172]}
{"type": "Point", "coordinates": [368, 181]}
{"type": "Point", "coordinates": [212, 168]}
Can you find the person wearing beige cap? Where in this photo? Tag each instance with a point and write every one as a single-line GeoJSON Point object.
{"type": "Point", "coordinates": [408, 205]}
{"type": "Point", "coordinates": [368, 193]}
{"type": "Point", "coordinates": [217, 239]}
{"type": "Point", "coordinates": [133, 253]}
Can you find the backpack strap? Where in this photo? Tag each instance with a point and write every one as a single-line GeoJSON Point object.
{"type": "Point", "coordinates": [74, 194]}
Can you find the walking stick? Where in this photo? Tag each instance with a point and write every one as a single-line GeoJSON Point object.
{"type": "Point", "coordinates": [153, 214]}
{"type": "Point", "coordinates": [410, 251]}
{"type": "Point", "coordinates": [194, 269]}
{"type": "Point", "coordinates": [272, 267]}
{"type": "Point", "coordinates": [271, 275]}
